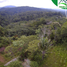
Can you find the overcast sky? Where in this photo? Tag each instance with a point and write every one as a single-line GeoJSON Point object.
{"type": "Point", "coordinates": [32, 3]}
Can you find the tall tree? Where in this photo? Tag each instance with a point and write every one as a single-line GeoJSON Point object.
{"type": "Point", "coordinates": [44, 44]}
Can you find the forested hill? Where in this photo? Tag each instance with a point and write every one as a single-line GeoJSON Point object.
{"type": "Point", "coordinates": [33, 34]}
{"type": "Point", "coordinates": [17, 14]}
{"type": "Point", "coordinates": [20, 19]}
{"type": "Point", "coordinates": [15, 10]}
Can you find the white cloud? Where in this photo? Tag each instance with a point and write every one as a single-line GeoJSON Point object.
{"type": "Point", "coordinates": [1, 1]}
{"type": "Point", "coordinates": [33, 3]}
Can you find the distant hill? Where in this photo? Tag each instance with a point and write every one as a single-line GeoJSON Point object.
{"type": "Point", "coordinates": [9, 16]}
{"type": "Point", "coordinates": [15, 10]}
{"type": "Point", "coordinates": [9, 6]}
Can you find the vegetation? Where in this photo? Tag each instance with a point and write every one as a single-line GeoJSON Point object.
{"type": "Point", "coordinates": [33, 64]}
{"type": "Point", "coordinates": [35, 34]}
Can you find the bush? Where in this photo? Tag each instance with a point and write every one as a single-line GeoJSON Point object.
{"type": "Point", "coordinates": [14, 49]}
{"type": "Point", "coordinates": [34, 64]}
{"type": "Point", "coordinates": [27, 39]}
{"type": "Point", "coordinates": [1, 45]}
{"type": "Point", "coordinates": [4, 41]}
{"type": "Point", "coordinates": [2, 66]}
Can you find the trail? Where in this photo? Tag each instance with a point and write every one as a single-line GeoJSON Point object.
{"type": "Point", "coordinates": [11, 61]}
{"type": "Point", "coordinates": [26, 63]}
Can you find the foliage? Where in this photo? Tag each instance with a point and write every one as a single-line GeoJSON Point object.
{"type": "Point", "coordinates": [63, 30]}
{"type": "Point", "coordinates": [44, 43]}
{"type": "Point", "coordinates": [60, 34]}
{"type": "Point", "coordinates": [18, 43]}
{"type": "Point", "coordinates": [34, 64]}
{"type": "Point", "coordinates": [33, 46]}
{"type": "Point", "coordinates": [57, 57]}
{"type": "Point", "coordinates": [14, 49]}
{"type": "Point", "coordinates": [2, 31]}
{"type": "Point", "coordinates": [1, 65]}
{"type": "Point", "coordinates": [32, 51]}
{"type": "Point", "coordinates": [25, 23]}
{"type": "Point", "coordinates": [4, 41]}
{"type": "Point", "coordinates": [27, 39]}
{"type": "Point", "coordinates": [31, 34]}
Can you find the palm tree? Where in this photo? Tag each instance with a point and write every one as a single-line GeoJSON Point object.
{"type": "Point", "coordinates": [44, 44]}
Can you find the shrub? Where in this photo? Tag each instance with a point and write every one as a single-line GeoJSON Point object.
{"type": "Point", "coordinates": [64, 31]}
{"type": "Point", "coordinates": [14, 49]}
{"type": "Point", "coordinates": [3, 41]}
{"type": "Point", "coordinates": [34, 64]}
{"type": "Point", "coordinates": [2, 66]}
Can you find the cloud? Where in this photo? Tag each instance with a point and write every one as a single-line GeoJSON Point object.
{"type": "Point", "coordinates": [32, 3]}
{"type": "Point", "coordinates": [1, 1]}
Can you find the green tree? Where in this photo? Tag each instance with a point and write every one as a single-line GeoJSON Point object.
{"type": "Point", "coordinates": [27, 40]}
{"type": "Point", "coordinates": [43, 45]}
{"type": "Point", "coordinates": [15, 48]}
{"type": "Point", "coordinates": [64, 30]}
{"type": "Point", "coordinates": [33, 49]}
{"type": "Point", "coordinates": [2, 31]}
{"type": "Point", "coordinates": [34, 64]}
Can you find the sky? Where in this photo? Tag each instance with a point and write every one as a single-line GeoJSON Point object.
{"type": "Point", "coordinates": [31, 3]}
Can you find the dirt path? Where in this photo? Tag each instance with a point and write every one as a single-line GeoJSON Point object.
{"type": "Point", "coordinates": [11, 61]}
{"type": "Point", "coordinates": [26, 63]}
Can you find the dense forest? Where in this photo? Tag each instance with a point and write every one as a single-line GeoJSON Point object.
{"type": "Point", "coordinates": [32, 37]}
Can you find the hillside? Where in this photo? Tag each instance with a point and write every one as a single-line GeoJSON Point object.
{"type": "Point", "coordinates": [21, 9]}
{"type": "Point", "coordinates": [25, 21]}
{"type": "Point", "coordinates": [24, 8]}
{"type": "Point", "coordinates": [13, 10]}
{"type": "Point", "coordinates": [32, 37]}
{"type": "Point", "coordinates": [12, 15]}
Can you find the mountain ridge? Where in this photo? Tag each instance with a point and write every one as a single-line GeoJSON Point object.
{"type": "Point", "coordinates": [8, 6]}
{"type": "Point", "coordinates": [14, 10]}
